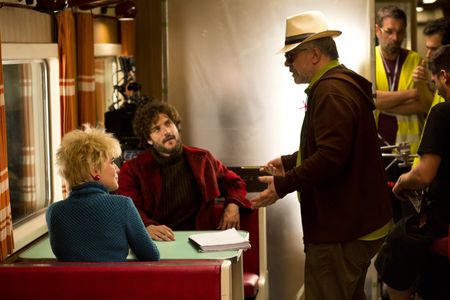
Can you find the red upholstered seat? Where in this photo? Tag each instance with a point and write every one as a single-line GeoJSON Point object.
{"type": "Point", "coordinates": [249, 222]}
{"type": "Point", "coordinates": [254, 221]}
{"type": "Point", "coordinates": [250, 284]}
{"type": "Point", "coordinates": [177, 279]}
{"type": "Point", "coordinates": [442, 246]}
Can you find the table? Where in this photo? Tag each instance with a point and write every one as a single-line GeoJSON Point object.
{"type": "Point", "coordinates": [181, 248]}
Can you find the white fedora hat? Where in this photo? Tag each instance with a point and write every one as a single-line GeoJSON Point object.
{"type": "Point", "coordinates": [305, 27]}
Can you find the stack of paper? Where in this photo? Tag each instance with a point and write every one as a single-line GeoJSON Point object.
{"type": "Point", "coordinates": [228, 239]}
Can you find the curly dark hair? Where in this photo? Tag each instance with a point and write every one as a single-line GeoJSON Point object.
{"type": "Point", "coordinates": [147, 114]}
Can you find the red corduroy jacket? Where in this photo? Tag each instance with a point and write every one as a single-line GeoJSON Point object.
{"type": "Point", "coordinates": [141, 179]}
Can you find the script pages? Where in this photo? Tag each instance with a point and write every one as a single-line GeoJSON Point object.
{"type": "Point", "coordinates": [224, 240]}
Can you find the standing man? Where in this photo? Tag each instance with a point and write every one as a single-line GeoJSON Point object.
{"type": "Point", "coordinates": [401, 103]}
{"type": "Point", "coordinates": [338, 170]}
{"type": "Point", "coordinates": [406, 252]}
{"type": "Point", "coordinates": [174, 186]}
{"type": "Point", "coordinates": [437, 34]}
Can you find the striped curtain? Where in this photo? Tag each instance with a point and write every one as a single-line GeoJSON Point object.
{"type": "Point", "coordinates": [87, 109]}
{"type": "Point", "coordinates": [6, 228]}
{"type": "Point", "coordinates": [66, 48]}
{"type": "Point", "coordinates": [66, 51]}
{"type": "Point", "coordinates": [100, 96]}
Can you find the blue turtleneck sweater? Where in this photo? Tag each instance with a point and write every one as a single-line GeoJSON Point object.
{"type": "Point", "coordinates": [92, 225]}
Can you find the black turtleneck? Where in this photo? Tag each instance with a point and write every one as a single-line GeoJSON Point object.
{"type": "Point", "coordinates": [181, 198]}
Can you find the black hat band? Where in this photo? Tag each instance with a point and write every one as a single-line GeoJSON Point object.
{"type": "Point", "coordinates": [297, 38]}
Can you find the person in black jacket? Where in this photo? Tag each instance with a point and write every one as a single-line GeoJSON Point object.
{"type": "Point", "coordinates": [405, 252]}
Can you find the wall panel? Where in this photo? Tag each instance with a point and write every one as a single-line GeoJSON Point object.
{"type": "Point", "coordinates": [20, 25]}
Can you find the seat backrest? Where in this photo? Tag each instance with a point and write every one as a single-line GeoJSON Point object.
{"type": "Point", "coordinates": [250, 218]}
{"type": "Point", "coordinates": [250, 176]}
{"type": "Point", "coordinates": [189, 279]}
{"type": "Point", "coordinates": [250, 223]}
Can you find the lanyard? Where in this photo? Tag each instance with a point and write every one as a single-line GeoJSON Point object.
{"type": "Point", "coordinates": [391, 79]}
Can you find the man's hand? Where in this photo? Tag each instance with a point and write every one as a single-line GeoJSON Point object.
{"type": "Point", "coordinates": [274, 167]}
{"type": "Point", "coordinates": [399, 191]}
{"type": "Point", "coordinates": [161, 233]}
{"type": "Point", "coordinates": [420, 74]}
{"type": "Point", "coordinates": [267, 197]}
{"type": "Point", "coordinates": [230, 217]}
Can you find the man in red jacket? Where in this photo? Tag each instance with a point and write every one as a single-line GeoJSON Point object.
{"type": "Point", "coordinates": [174, 186]}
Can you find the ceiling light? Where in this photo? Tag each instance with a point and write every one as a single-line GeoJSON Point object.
{"type": "Point", "coordinates": [125, 10]}
{"type": "Point", "coordinates": [50, 5]}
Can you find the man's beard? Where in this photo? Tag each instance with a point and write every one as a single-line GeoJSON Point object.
{"type": "Point", "coordinates": [163, 150]}
{"type": "Point", "coordinates": [392, 48]}
{"type": "Point", "coordinates": [302, 78]}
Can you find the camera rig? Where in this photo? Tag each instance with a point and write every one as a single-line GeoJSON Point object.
{"type": "Point", "coordinates": [400, 154]}
{"type": "Point", "coordinates": [128, 89]}
{"type": "Point", "coordinates": [119, 117]}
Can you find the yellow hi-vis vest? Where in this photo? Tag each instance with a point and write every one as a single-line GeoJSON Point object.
{"type": "Point", "coordinates": [409, 126]}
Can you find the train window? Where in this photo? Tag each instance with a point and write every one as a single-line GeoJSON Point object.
{"type": "Point", "coordinates": [27, 106]}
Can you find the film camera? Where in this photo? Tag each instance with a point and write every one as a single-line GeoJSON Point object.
{"type": "Point", "coordinates": [119, 117]}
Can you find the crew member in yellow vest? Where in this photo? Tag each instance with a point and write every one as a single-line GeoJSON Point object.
{"type": "Point", "coordinates": [401, 103]}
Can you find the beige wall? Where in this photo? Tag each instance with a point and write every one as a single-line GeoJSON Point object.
{"type": "Point", "coordinates": [19, 25]}
{"type": "Point", "coordinates": [106, 30]}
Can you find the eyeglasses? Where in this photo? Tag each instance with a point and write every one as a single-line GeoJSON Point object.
{"type": "Point", "coordinates": [390, 32]}
{"type": "Point", "coordinates": [291, 55]}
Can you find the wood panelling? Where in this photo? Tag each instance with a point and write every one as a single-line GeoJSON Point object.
{"type": "Point", "coordinates": [149, 47]}
{"type": "Point", "coordinates": [128, 37]}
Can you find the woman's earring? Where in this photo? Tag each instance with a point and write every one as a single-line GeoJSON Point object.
{"type": "Point", "coordinates": [96, 177]}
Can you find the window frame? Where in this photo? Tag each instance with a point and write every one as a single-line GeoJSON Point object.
{"type": "Point", "coordinates": [48, 193]}
{"type": "Point", "coordinates": [32, 228]}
